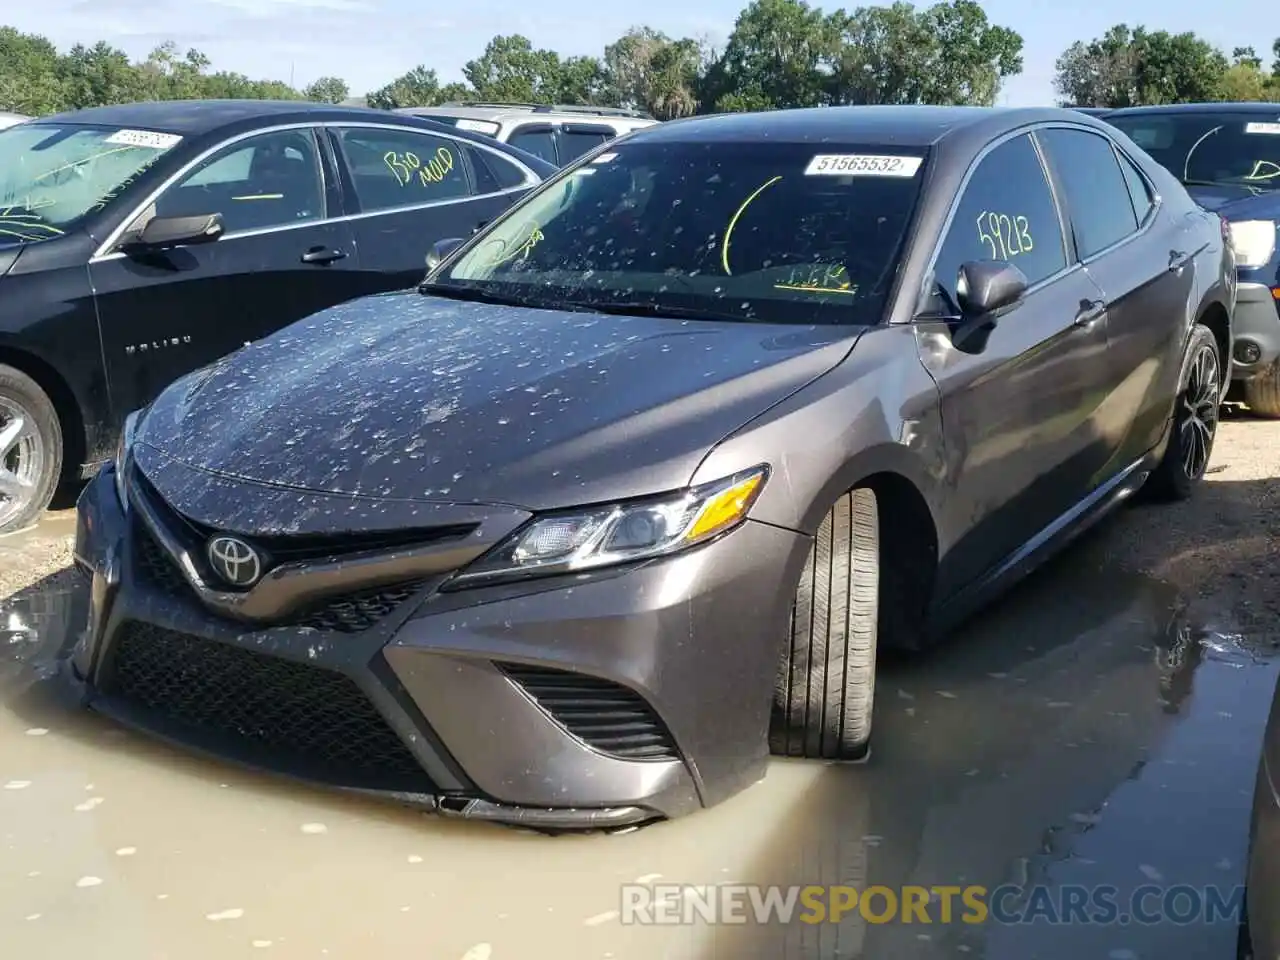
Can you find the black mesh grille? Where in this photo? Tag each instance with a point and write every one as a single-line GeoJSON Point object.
{"type": "Point", "coordinates": [610, 717]}
{"type": "Point", "coordinates": [155, 565]}
{"type": "Point", "coordinates": [300, 719]}
{"type": "Point", "coordinates": [356, 612]}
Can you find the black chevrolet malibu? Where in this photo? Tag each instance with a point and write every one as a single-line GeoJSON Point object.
{"type": "Point", "coordinates": [140, 242]}
{"type": "Point", "coordinates": [632, 489]}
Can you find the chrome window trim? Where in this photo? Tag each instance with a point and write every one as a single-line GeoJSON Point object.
{"type": "Point", "coordinates": [104, 251]}
{"type": "Point", "coordinates": [1063, 210]}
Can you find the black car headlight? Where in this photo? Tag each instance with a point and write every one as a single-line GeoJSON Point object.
{"type": "Point", "coordinates": [124, 456]}
{"type": "Point", "coordinates": [601, 536]}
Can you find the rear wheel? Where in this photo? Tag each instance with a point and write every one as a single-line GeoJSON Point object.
{"type": "Point", "coordinates": [1195, 421]}
{"type": "Point", "coordinates": [30, 450]}
{"type": "Point", "coordinates": [1262, 393]}
{"type": "Point", "coordinates": [826, 682]}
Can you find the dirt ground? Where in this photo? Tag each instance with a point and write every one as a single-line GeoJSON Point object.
{"type": "Point", "coordinates": [1238, 511]}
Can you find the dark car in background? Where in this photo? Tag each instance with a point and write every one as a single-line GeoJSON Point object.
{"type": "Point", "coordinates": [142, 241]}
{"type": "Point", "coordinates": [1228, 157]}
{"type": "Point", "coordinates": [633, 488]}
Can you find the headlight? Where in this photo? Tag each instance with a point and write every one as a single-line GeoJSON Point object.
{"type": "Point", "coordinates": [1254, 242]}
{"type": "Point", "coordinates": [124, 456]}
{"type": "Point", "coordinates": [619, 533]}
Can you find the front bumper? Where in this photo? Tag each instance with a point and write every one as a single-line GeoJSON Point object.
{"type": "Point", "coordinates": [602, 700]}
{"type": "Point", "coordinates": [1255, 330]}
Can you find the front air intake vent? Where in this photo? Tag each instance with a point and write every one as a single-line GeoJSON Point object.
{"type": "Point", "coordinates": [607, 716]}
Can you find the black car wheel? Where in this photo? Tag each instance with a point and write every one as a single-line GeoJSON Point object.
{"type": "Point", "coordinates": [1195, 421]}
{"type": "Point", "coordinates": [826, 683]}
{"type": "Point", "coordinates": [30, 450]}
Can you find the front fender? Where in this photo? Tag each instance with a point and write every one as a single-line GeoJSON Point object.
{"type": "Point", "coordinates": [875, 412]}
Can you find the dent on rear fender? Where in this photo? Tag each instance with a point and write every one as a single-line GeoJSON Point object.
{"type": "Point", "coordinates": [875, 412]}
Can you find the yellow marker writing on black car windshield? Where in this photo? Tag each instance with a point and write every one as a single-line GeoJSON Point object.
{"type": "Point", "coordinates": [733, 222]}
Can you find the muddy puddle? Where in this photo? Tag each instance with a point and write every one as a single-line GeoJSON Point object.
{"type": "Point", "coordinates": [1081, 732]}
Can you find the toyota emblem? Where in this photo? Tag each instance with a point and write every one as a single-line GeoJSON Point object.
{"type": "Point", "coordinates": [235, 561]}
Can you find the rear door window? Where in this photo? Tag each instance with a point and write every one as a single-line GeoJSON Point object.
{"type": "Point", "coordinates": [538, 139]}
{"type": "Point", "coordinates": [577, 139]}
{"type": "Point", "coordinates": [1096, 192]}
{"type": "Point", "coordinates": [393, 168]}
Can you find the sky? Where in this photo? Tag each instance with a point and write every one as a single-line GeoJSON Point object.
{"type": "Point", "coordinates": [370, 42]}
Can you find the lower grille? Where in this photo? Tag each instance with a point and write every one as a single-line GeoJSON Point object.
{"type": "Point", "coordinates": [356, 612]}
{"type": "Point", "coordinates": [608, 716]}
{"type": "Point", "coordinates": [296, 718]}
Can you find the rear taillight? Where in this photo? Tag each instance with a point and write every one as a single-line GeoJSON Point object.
{"type": "Point", "coordinates": [1225, 226]}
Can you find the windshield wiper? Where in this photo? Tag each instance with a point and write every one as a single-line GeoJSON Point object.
{"type": "Point", "coordinates": [624, 308]}
{"type": "Point", "coordinates": [470, 293]}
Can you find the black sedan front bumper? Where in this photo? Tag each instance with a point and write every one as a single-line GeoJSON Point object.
{"type": "Point", "coordinates": [499, 704]}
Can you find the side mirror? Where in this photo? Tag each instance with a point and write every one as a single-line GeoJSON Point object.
{"type": "Point", "coordinates": [165, 233]}
{"type": "Point", "coordinates": [987, 287]}
{"type": "Point", "coordinates": [440, 250]}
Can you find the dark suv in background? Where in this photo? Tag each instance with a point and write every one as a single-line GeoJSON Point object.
{"type": "Point", "coordinates": [1228, 156]}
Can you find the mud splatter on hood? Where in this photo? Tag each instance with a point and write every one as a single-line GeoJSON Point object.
{"type": "Point", "coordinates": [412, 397]}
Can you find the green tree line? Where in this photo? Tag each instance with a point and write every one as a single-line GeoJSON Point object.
{"type": "Point", "coordinates": [780, 53]}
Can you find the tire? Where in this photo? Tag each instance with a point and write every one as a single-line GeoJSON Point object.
{"type": "Point", "coordinates": [1262, 393]}
{"type": "Point", "coordinates": [30, 450]}
{"type": "Point", "coordinates": [825, 689]}
{"type": "Point", "coordinates": [1195, 421]}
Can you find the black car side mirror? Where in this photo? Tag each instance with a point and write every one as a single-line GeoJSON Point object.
{"type": "Point", "coordinates": [985, 291]}
{"type": "Point", "coordinates": [988, 287]}
{"type": "Point", "coordinates": [165, 233]}
{"type": "Point", "coordinates": [440, 250]}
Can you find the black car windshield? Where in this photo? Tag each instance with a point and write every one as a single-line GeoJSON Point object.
{"type": "Point", "coordinates": [52, 175]}
{"type": "Point", "coordinates": [1237, 149]}
{"type": "Point", "coordinates": [767, 232]}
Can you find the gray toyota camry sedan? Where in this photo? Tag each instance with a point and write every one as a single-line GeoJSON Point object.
{"type": "Point", "coordinates": [633, 488]}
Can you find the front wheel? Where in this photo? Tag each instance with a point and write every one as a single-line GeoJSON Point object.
{"type": "Point", "coordinates": [1195, 421]}
{"type": "Point", "coordinates": [30, 450]}
{"type": "Point", "coordinates": [826, 681]}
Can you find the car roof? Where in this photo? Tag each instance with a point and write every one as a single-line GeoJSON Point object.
{"type": "Point", "coordinates": [1271, 109]}
{"type": "Point", "coordinates": [508, 111]}
{"type": "Point", "coordinates": [905, 126]}
{"type": "Point", "coordinates": [213, 119]}
{"type": "Point", "coordinates": [194, 118]}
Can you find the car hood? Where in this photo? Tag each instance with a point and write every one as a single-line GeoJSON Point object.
{"type": "Point", "coordinates": [404, 396]}
{"type": "Point", "coordinates": [1237, 203]}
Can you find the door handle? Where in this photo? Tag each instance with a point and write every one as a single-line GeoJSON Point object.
{"type": "Point", "coordinates": [1178, 260]}
{"type": "Point", "coordinates": [323, 255]}
{"type": "Point", "coordinates": [1090, 311]}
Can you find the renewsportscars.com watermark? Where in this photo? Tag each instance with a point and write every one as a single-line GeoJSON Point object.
{"type": "Point", "coordinates": [677, 903]}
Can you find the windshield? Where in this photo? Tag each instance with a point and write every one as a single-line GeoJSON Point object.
{"type": "Point", "coordinates": [1232, 149]}
{"type": "Point", "coordinates": [52, 175]}
{"type": "Point", "coordinates": [769, 232]}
